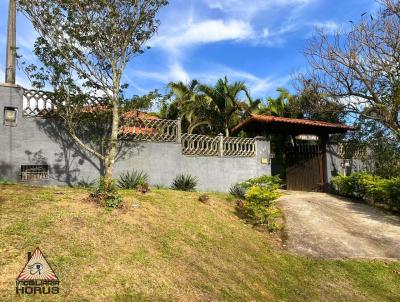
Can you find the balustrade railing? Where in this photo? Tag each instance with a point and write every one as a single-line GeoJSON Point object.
{"type": "Point", "coordinates": [351, 151]}
{"type": "Point", "coordinates": [239, 147]}
{"type": "Point", "coordinates": [37, 103]}
{"type": "Point", "coordinates": [159, 130]}
{"type": "Point", "coordinates": [202, 145]}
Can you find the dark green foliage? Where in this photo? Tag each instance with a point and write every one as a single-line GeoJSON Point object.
{"type": "Point", "coordinates": [132, 180]}
{"type": "Point", "coordinates": [267, 181]}
{"type": "Point", "coordinates": [270, 182]}
{"type": "Point", "coordinates": [114, 202]}
{"type": "Point", "coordinates": [184, 182]}
{"type": "Point", "coordinates": [355, 186]}
{"type": "Point", "coordinates": [369, 188]}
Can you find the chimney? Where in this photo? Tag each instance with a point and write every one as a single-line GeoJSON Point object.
{"type": "Point", "coordinates": [11, 43]}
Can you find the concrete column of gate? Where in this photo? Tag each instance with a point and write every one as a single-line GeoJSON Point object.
{"type": "Point", "coordinates": [11, 55]}
{"type": "Point", "coordinates": [324, 138]}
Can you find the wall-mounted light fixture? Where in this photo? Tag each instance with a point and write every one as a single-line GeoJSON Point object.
{"type": "Point", "coordinates": [10, 116]}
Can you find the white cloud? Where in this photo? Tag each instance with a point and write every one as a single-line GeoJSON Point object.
{"type": "Point", "coordinates": [328, 26]}
{"type": "Point", "coordinates": [249, 9]}
{"type": "Point", "coordinates": [259, 86]}
{"type": "Point", "coordinates": [178, 73]}
{"type": "Point", "coordinates": [207, 31]}
{"type": "Point", "coordinates": [174, 72]}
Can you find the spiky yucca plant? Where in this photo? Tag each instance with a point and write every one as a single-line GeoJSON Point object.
{"type": "Point", "coordinates": [132, 180]}
{"type": "Point", "coordinates": [237, 190]}
{"type": "Point", "coordinates": [184, 182]}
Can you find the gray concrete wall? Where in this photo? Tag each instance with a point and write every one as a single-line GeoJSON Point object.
{"type": "Point", "coordinates": [43, 141]}
{"type": "Point", "coordinates": [335, 165]}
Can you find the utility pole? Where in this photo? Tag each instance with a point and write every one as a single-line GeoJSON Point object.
{"type": "Point", "coordinates": [11, 43]}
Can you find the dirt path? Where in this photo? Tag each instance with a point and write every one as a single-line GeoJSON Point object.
{"type": "Point", "coordinates": [326, 226]}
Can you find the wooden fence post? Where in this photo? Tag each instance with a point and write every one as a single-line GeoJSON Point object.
{"type": "Point", "coordinates": [221, 144]}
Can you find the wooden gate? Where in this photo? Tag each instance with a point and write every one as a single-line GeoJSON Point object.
{"type": "Point", "coordinates": [304, 167]}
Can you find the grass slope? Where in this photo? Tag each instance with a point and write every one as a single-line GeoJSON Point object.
{"type": "Point", "coordinates": [173, 248]}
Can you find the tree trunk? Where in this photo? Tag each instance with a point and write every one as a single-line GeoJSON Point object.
{"type": "Point", "coordinates": [109, 160]}
{"type": "Point", "coordinates": [226, 129]}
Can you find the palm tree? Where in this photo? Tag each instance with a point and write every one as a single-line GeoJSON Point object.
{"type": "Point", "coordinates": [224, 97]}
{"type": "Point", "coordinates": [254, 105]}
{"type": "Point", "coordinates": [280, 105]}
{"type": "Point", "coordinates": [192, 105]}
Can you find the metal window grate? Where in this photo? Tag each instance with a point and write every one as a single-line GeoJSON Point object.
{"type": "Point", "coordinates": [34, 172]}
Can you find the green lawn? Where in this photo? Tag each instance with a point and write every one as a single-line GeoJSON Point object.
{"type": "Point", "coordinates": [172, 248]}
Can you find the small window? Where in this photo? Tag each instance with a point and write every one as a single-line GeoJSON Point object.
{"type": "Point", "coordinates": [34, 172]}
{"type": "Point", "coordinates": [10, 116]}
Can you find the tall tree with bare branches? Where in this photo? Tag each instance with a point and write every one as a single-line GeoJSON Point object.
{"type": "Point", "coordinates": [360, 68]}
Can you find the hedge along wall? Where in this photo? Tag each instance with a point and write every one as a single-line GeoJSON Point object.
{"type": "Point", "coordinates": [369, 188]}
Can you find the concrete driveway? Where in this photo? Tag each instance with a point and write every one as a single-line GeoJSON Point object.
{"type": "Point", "coordinates": [326, 226]}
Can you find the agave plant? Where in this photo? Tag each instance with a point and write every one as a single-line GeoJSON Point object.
{"type": "Point", "coordinates": [132, 180]}
{"type": "Point", "coordinates": [238, 190]}
{"type": "Point", "coordinates": [184, 182]}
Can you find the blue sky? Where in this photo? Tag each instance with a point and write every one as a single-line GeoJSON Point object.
{"type": "Point", "coordinates": [260, 42]}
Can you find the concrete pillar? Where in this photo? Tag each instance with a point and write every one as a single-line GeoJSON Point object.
{"type": "Point", "coordinates": [221, 144]}
{"type": "Point", "coordinates": [179, 130]}
{"type": "Point", "coordinates": [11, 43]}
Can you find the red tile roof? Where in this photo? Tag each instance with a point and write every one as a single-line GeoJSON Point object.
{"type": "Point", "coordinates": [133, 130]}
{"type": "Point", "coordinates": [140, 115]}
{"type": "Point", "coordinates": [128, 114]}
{"type": "Point", "coordinates": [269, 119]}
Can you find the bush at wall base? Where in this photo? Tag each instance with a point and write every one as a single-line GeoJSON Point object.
{"type": "Point", "coordinates": [369, 188]}
{"type": "Point", "coordinates": [259, 204]}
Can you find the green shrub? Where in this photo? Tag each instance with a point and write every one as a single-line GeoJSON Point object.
{"type": "Point", "coordinates": [357, 185]}
{"type": "Point", "coordinates": [259, 204]}
{"type": "Point", "coordinates": [102, 187]}
{"type": "Point", "coordinates": [272, 182]}
{"type": "Point", "coordinates": [392, 190]}
{"type": "Point", "coordinates": [113, 202]}
{"type": "Point", "coordinates": [132, 180]}
{"type": "Point", "coordinates": [369, 188]}
{"type": "Point", "coordinates": [261, 195]}
{"type": "Point", "coordinates": [238, 191]}
{"type": "Point", "coordinates": [184, 182]}
{"type": "Point", "coordinates": [107, 195]}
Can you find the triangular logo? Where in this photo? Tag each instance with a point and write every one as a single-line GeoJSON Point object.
{"type": "Point", "coordinates": [37, 268]}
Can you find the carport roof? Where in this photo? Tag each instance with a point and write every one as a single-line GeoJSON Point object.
{"type": "Point", "coordinates": [276, 124]}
